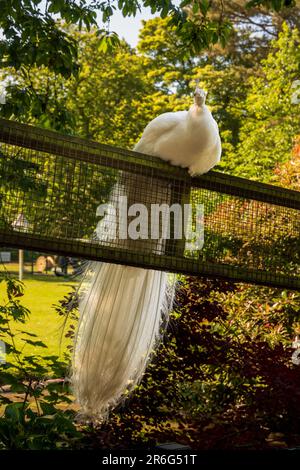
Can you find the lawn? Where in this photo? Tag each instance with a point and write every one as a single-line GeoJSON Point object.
{"type": "Point", "coordinates": [40, 293]}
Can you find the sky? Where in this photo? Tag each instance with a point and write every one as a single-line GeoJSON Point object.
{"type": "Point", "coordinates": [128, 28]}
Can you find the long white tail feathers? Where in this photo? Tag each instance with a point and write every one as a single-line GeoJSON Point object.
{"type": "Point", "coordinates": [120, 318]}
{"type": "Point", "coordinates": [120, 312]}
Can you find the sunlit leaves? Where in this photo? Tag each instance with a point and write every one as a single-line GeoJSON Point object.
{"type": "Point", "coordinates": [107, 41]}
{"type": "Point", "coordinates": [272, 4]}
{"type": "Point", "coordinates": [31, 418]}
{"type": "Point", "coordinates": [271, 119]}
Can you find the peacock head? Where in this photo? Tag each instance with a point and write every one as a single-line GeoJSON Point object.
{"type": "Point", "coordinates": [199, 96]}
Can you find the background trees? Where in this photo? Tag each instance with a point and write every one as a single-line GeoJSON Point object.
{"type": "Point", "coordinates": [226, 355]}
{"type": "Point", "coordinates": [115, 93]}
{"type": "Point", "coordinates": [35, 33]}
{"type": "Point", "coordinates": [270, 120]}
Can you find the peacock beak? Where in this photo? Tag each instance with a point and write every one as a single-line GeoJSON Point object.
{"type": "Point", "coordinates": [199, 96]}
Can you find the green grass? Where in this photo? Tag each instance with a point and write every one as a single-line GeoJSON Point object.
{"type": "Point", "coordinates": [40, 293]}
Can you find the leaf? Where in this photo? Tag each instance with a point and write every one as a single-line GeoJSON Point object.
{"type": "Point", "coordinates": [33, 335]}
{"type": "Point", "coordinates": [14, 412]}
{"type": "Point", "coordinates": [39, 344]}
{"type": "Point", "coordinates": [204, 6]}
{"type": "Point", "coordinates": [47, 408]}
{"type": "Point", "coordinates": [18, 387]}
{"type": "Point", "coordinates": [5, 400]}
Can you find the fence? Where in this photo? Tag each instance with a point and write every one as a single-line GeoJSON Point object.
{"type": "Point", "coordinates": [52, 187]}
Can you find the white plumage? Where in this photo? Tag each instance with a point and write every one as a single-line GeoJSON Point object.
{"type": "Point", "coordinates": [121, 309]}
{"type": "Point", "coordinates": [189, 139]}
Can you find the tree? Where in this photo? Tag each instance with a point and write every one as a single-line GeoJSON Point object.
{"type": "Point", "coordinates": [31, 36]}
{"type": "Point", "coordinates": [271, 117]}
{"type": "Point", "coordinates": [253, 28]}
{"type": "Point", "coordinates": [39, 34]}
{"type": "Point", "coordinates": [288, 173]}
{"type": "Point", "coordinates": [222, 74]}
{"type": "Point", "coordinates": [116, 93]}
{"type": "Point", "coordinates": [110, 100]}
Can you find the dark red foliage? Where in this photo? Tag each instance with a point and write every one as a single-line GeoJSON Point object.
{"type": "Point", "coordinates": [251, 388]}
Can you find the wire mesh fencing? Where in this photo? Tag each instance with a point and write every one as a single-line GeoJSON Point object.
{"type": "Point", "coordinates": [74, 197]}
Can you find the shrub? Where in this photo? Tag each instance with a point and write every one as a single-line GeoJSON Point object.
{"type": "Point", "coordinates": [33, 412]}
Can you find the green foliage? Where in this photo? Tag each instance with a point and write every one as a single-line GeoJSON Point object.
{"type": "Point", "coordinates": [116, 93]}
{"type": "Point", "coordinates": [227, 350]}
{"type": "Point", "coordinates": [32, 37]}
{"type": "Point", "coordinates": [270, 117]}
{"type": "Point", "coordinates": [217, 378]}
{"type": "Point", "coordinates": [200, 31]}
{"type": "Point", "coordinates": [18, 172]}
{"type": "Point", "coordinates": [113, 98]}
{"type": "Point", "coordinates": [33, 406]}
{"type": "Point", "coordinates": [15, 172]}
{"type": "Point", "coordinates": [38, 34]}
{"type": "Point", "coordinates": [274, 4]}
{"type": "Point", "coordinates": [22, 428]}
{"type": "Point", "coordinates": [68, 309]}
{"type": "Point", "coordinates": [218, 372]}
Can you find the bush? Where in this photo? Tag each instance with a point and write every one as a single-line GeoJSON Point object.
{"type": "Point", "coordinates": [33, 412]}
{"type": "Point", "coordinates": [222, 374]}
{"type": "Point", "coordinates": [221, 378]}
